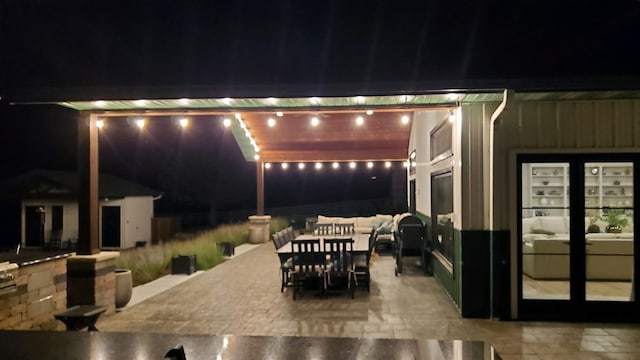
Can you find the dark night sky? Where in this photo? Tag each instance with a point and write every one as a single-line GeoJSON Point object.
{"type": "Point", "coordinates": [118, 49]}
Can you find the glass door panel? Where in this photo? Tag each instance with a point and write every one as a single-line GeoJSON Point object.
{"type": "Point", "coordinates": [545, 231]}
{"type": "Point", "coordinates": [608, 211]}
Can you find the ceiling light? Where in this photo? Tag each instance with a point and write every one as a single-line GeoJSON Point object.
{"type": "Point", "coordinates": [452, 96]}
{"type": "Point", "coordinates": [369, 112]}
{"type": "Point", "coordinates": [406, 98]}
{"type": "Point", "coordinates": [256, 156]}
{"type": "Point", "coordinates": [140, 123]}
{"type": "Point", "coordinates": [452, 116]}
{"type": "Point", "coordinates": [359, 99]}
{"type": "Point", "coordinates": [184, 101]}
{"type": "Point", "coordinates": [314, 100]}
{"type": "Point", "coordinates": [279, 114]}
{"type": "Point", "coordinates": [140, 103]}
{"type": "Point", "coordinates": [184, 122]}
{"type": "Point", "coordinates": [226, 122]}
{"type": "Point", "coordinates": [100, 103]}
{"type": "Point", "coordinates": [369, 164]}
{"type": "Point", "coordinates": [99, 124]}
{"type": "Point", "coordinates": [387, 164]}
{"type": "Point", "coordinates": [301, 166]}
{"type": "Point", "coordinates": [359, 120]}
{"type": "Point", "coordinates": [271, 122]}
{"type": "Point", "coordinates": [318, 166]}
{"type": "Point", "coordinates": [352, 165]}
{"type": "Point", "coordinates": [227, 101]}
{"type": "Point", "coordinates": [285, 166]}
{"type": "Point", "coordinates": [405, 119]}
{"type": "Point", "coordinates": [315, 121]}
{"type": "Point", "coordinates": [272, 100]}
{"type": "Point", "coordinates": [267, 165]}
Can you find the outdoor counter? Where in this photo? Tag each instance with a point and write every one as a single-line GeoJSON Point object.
{"type": "Point", "coordinates": [83, 345]}
{"type": "Point", "coordinates": [28, 257]}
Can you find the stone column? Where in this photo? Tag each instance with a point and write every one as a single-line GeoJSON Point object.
{"type": "Point", "coordinates": [91, 280]}
{"type": "Point", "coordinates": [259, 228]}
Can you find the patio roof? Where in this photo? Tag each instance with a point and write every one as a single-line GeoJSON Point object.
{"type": "Point", "coordinates": [382, 135]}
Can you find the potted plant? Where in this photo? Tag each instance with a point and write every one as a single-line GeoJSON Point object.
{"type": "Point", "coordinates": [593, 227]}
{"type": "Point", "coordinates": [124, 287]}
{"type": "Point", "coordinates": [616, 220]}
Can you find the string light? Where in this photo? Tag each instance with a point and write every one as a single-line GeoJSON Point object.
{"type": "Point", "coordinates": [271, 122]}
{"type": "Point", "coordinates": [360, 120]}
{"type": "Point", "coordinates": [387, 164]}
{"type": "Point", "coordinates": [405, 119]}
{"type": "Point", "coordinates": [99, 124]}
{"type": "Point", "coordinates": [267, 165]}
{"type": "Point", "coordinates": [226, 122]}
{"type": "Point", "coordinates": [301, 166]}
{"type": "Point", "coordinates": [140, 123]}
{"type": "Point", "coordinates": [335, 165]}
{"type": "Point", "coordinates": [184, 122]}
{"type": "Point", "coordinates": [352, 165]}
{"type": "Point", "coordinates": [318, 166]}
{"type": "Point", "coordinates": [314, 121]}
{"type": "Point", "coordinates": [369, 164]}
{"type": "Point", "coordinates": [285, 166]}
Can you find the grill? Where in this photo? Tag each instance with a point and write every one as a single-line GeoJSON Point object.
{"type": "Point", "coordinates": [8, 277]}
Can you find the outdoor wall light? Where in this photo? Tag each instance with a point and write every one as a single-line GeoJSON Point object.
{"type": "Point", "coordinates": [226, 122]}
{"type": "Point", "coordinates": [352, 165]}
{"type": "Point", "coordinates": [301, 166]}
{"type": "Point", "coordinates": [369, 164]}
{"type": "Point", "coordinates": [359, 120]}
{"type": "Point", "coordinates": [267, 165]}
{"type": "Point", "coordinates": [140, 123]}
{"type": "Point", "coordinates": [285, 166]}
{"type": "Point", "coordinates": [452, 116]}
{"type": "Point", "coordinates": [315, 121]}
{"type": "Point", "coordinates": [271, 122]}
{"type": "Point", "coordinates": [318, 166]}
{"type": "Point", "coordinates": [405, 119]}
{"type": "Point", "coordinates": [99, 124]}
{"type": "Point", "coordinates": [335, 165]}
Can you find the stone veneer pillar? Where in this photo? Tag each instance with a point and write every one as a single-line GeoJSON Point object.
{"type": "Point", "coordinates": [91, 280]}
{"type": "Point", "coordinates": [259, 228]}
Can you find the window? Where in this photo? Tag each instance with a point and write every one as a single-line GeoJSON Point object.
{"type": "Point", "coordinates": [442, 212]}
{"type": "Point", "coordinates": [441, 141]}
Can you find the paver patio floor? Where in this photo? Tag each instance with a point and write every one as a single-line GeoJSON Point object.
{"type": "Point", "coordinates": [242, 297]}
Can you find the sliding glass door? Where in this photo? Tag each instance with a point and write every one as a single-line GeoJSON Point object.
{"type": "Point", "coordinates": [577, 239]}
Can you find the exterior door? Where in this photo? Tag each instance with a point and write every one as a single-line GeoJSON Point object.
{"type": "Point", "coordinates": [111, 226]}
{"type": "Point", "coordinates": [577, 240]}
{"type": "Point", "coordinates": [34, 217]}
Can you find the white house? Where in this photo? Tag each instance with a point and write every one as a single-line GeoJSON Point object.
{"type": "Point", "coordinates": [49, 210]}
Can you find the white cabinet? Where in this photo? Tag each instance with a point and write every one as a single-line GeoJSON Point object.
{"type": "Point", "coordinates": [545, 189]}
{"type": "Point", "coordinates": [608, 185]}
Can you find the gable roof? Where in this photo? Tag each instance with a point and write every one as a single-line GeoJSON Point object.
{"type": "Point", "coordinates": [41, 182]}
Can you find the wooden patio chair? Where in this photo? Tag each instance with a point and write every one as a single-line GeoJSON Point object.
{"type": "Point", "coordinates": [308, 263]}
{"type": "Point", "coordinates": [339, 255]}
{"type": "Point", "coordinates": [361, 267]}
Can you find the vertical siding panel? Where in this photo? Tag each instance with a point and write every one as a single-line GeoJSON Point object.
{"type": "Point", "coordinates": [636, 122]}
{"type": "Point", "coordinates": [585, 125]}
{"type": "Point", "coordinates": [529, 125]}
{"type": "Point", "coordinates": [604, 124]}
{"type": "Point", "coordinates": [623, 124]}
{"type": "Point", "coordinates": [567, 125]}
{"type": "Point", "coordinates": [548, 123]}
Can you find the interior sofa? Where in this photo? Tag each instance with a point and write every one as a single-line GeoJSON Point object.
{"type": "Point", "coordinates": [545, 250]}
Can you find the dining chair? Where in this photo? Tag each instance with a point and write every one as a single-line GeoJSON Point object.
{"type": "Point", "coordinates": [345, 229]}
{"type": "Point", "coordinates": [308, 263]}
{"type": "Point", "coordinates": [361, 268]}
{"type": "Point", "coordinates": [339, 262]}
{"type": "Point", "coordinates": [323, 229]}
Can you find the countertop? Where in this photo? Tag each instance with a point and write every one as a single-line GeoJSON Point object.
{"type": "Point", "coordinates": [28, 257]}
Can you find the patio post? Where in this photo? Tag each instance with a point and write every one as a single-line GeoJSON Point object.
{"type": "Point", "coordinates": [259, 223]}
{"type": "Point", "coordinates": [88, 206]}
{"type": "Point", "coordinates": [260, 187]}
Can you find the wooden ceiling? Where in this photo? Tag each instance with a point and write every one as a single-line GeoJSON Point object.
{"type": "Point", "coordinates": [337, 137]}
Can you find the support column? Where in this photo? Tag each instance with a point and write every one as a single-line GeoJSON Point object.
{"type": "Point", "coordinates": [91, 280]}
{"type": "Point", "coordinates": [259, 223]}
{"type": "Point", "coordinates": [260, 187]}
{"type": "Point", "coordinates": [88, 206]}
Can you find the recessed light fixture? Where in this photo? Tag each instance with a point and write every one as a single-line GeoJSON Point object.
{"type": "Point", "coordinates": [140, 103]}
{"type": "Point", "coordinates": [267, 165]}
{"type": "Point", "coordinates": [452, 96]}
{"type": "Point", "coordinates": [271, 122]}
{"type": "Point", "coordinates": [315, 121]}
{"type": "Point", "coordinates": [279, 114]}
{"type": "Point", "coordinates": [140, 123]}
{"type": "Point", "coordinates": [314, 100]}
{"type": "Point", "coordinates": [318, 165]}
{"type": "Point", "coordinates": [387, 164]}
{"type": "Point", "coordinates": [359, 99]}
{"type": "Point", "coordinates": [352, 165]}
{"type": "Point", "coordinates": [99, 124]}
{"type": "Point", "coordinates": [369, 164]}
{"type": "Point", "coordinates": [184, 101]}
{"type": "Point", "coordinates": [359, 120]}
{"type": "Point", "coordinates": [405, 119]}
{"type": "Point", "coordinates": [226, 122]}
{"type": "Point", "coordinates": [369, 112]}
{"type": "Point", "coordinates": [335, 165]}
{"type": "Point", "coordinates": [301, 166]}
{"type": "Point", "coordinates": [272, 100]}
{"type": "Point", "coordinates": [100, 103]}
{"type": "Point", "coordinates": [285, 166]}
{"type": "Point", "coordinates": [184, 122]}
{"type": "Point", "coordinates": [227, 101]}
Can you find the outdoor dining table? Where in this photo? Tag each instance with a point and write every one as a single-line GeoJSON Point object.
{"type": "Point", "coordinates": [360, 244]}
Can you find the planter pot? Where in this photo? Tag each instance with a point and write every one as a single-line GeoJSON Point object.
{"type": "Point", "coordinates": [614, 229]}
{"type": "Point", "coordinates": [124, 287]}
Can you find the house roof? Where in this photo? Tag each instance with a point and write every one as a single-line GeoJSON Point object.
{"type": "Point", "coordinates": [42, 182]}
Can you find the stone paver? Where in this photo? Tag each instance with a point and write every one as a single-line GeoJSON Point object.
{"type": "Point", "coordinates": [242, 297]}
